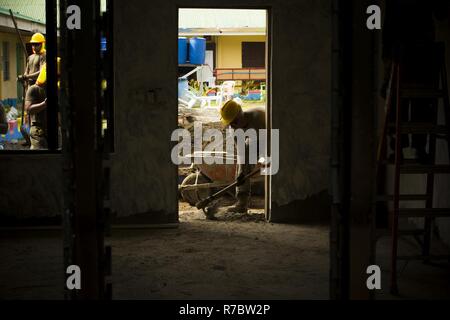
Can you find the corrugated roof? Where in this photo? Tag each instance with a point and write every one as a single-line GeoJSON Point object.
{"type": "Point", "coordinates": [221, 18]}
{"type": "Point", "coordinates": [33, 10]}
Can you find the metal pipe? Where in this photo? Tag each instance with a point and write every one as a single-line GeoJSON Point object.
{"type": "Point", "coordinates": [340, 150]}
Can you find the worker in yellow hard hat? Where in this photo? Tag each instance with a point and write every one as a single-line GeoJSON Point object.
{"type": "Point", "coordinates": [36, 60]}
{"type": "Point", "coordinates": [234, 116]}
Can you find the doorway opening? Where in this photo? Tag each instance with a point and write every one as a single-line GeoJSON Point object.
{"type": "Point", "coordinates": [222, 60]}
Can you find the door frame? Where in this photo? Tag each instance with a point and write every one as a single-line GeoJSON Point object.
{"type": "Point", "coordinates": [268, 108]}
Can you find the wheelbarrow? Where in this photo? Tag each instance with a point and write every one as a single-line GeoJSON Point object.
{"type": "Point", "coordinates": [205, 179]}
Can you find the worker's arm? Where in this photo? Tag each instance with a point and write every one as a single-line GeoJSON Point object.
{"type": "Point", "coordinates": [35, 108]}
{"type": "Point", "coordinates": [32, 76]}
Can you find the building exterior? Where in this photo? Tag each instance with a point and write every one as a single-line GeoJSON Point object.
{"type": "Point", "coordinates": [236, 40]}
{"type": "Point", "coordinates": [30, 18]}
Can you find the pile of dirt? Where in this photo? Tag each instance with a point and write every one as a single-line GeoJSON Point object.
{"type": "Point", "coordinates": [210, 118]}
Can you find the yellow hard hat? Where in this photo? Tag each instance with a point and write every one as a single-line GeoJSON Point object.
{"type": "Point", "coordinates": [37, 38]}
{"type": "Point", "coordinates": [229, 111]}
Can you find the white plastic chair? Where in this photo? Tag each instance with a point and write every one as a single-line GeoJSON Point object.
{"type": "Point", "coordinates": [227, 89]}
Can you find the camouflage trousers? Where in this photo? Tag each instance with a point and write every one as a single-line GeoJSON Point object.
{"type": "Point", "coordinates": [245, 188]}
{"type": "Point", "coordinates": [38, 138]}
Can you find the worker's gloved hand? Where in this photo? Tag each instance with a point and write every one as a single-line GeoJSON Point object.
{"type": "Point", "coordinates": [240, 179]}
{"type": "Point", "coordinates": [22, 78]}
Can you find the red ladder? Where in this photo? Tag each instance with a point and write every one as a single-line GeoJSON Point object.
{"type": "Point", "coordinates": [398, 90]}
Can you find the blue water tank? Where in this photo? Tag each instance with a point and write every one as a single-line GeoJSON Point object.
{"type": "Point", "coordinates": [183, 86]}
{"type": "Point", "coordinates": [197, 49]}
{"type": "Point", "coordinates": [182, 50]}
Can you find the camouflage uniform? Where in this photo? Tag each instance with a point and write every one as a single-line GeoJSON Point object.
{"type": "Point", "coordinates": [38, 130]}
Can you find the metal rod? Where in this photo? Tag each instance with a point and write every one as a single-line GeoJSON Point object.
{"type": "Point", "coordinates": [342, 16]}
{"type": "Point", "coordinates": [18, 32]}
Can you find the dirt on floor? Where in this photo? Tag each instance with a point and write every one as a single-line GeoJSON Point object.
{"type": "Point", "coordinates": [233, 257]}
{"type": "Point", "coordinates": [230, 258]}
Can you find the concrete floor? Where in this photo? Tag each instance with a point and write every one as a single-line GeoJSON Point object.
{"type": "Point", "coordinates": [416, 279]}
{"type": "Point", "coordinates": [202, 259]}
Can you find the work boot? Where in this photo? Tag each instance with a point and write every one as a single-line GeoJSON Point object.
{"type": "Point", "coordinates": [210, 213]}
{"type": "Point", "coordinates": [211, 210]}
{"type": "Point", "coordinates": [241, 205]}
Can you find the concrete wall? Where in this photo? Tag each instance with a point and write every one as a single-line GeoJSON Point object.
{"type": "Point", "coordinates": [31, 186]}
{"type": "Point", "coordinates": [301, 69]}
{"type": "Point", "coordinates": [144, 181]}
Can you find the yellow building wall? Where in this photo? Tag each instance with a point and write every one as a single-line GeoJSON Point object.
{"type": "Point", "coordinates": [8, 89]}
{"type": "Point", "coordinates": [229, 50]}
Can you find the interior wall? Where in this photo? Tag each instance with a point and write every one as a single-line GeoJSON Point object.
{"type": "Point", "coordinates": [301, 80]}
{"type": "Point", "coordinates": [144, 180]}
{"type": "Point", "coordinates": [31, 186]}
